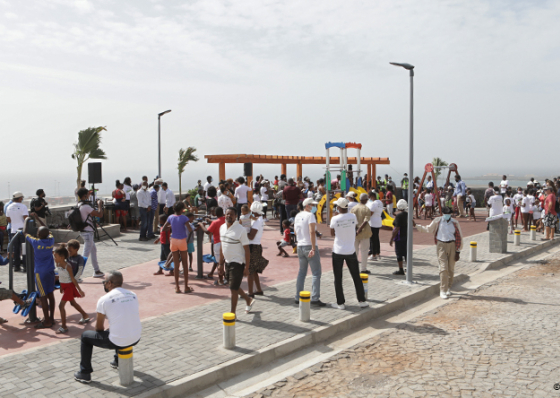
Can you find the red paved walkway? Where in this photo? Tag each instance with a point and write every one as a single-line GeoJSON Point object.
{"type": "Point", "coordinates": [157, 295]}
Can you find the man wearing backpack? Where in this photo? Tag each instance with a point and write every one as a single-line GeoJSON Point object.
{"type": "Point", "coordinates": [87, 213]}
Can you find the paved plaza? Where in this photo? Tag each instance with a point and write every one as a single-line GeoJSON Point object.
{"type": "Point", "coordinates": [500, 341]}
{"type": "Point", "coordinates": [182, 334]}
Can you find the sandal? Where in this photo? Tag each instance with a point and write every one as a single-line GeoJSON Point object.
{"type": "Point", "coordinates": [259, 293]}
{"type": "Point", "coordinates": [41, 325]}
{"type": "Point", "coordinates": [82, 321]}
{"type": "Point", "coordinates": [62, 330]}
{"type": "Point", "coordinates": [249, 307]}
{"type": "Point", "coordinates": [189, 290]}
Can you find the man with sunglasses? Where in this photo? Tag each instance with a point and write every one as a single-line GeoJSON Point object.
{"type": "Point", "coordinates": [120, 307]}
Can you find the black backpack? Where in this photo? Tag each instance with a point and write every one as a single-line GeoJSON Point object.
{"type": "Point", "coordinates": [75, 219]}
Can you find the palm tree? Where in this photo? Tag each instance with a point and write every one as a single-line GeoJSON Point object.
{"type": "Point", "coordinates": [87, 148]}
{"type": "Point", "coordinates": [185, 156]}
{"type": "Point", "coordinates": [438, 162]}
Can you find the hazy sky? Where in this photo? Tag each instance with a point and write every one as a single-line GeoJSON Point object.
{"type": "Point", "coordinates": [276, 77]}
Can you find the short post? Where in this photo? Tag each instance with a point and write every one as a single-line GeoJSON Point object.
{"type": "Point", "coordinates": [126, 366]}
{"type": "Point", "coordinates": [365, 280]}
{"type": "Point", "coordinates": [533, 233]}
{"type": "Point", "coordinates": [229, 330]}
{"type": "Point", "coordinates": [304, 306]}
{"type": "Point", "coordinates": [517, 237]}
{"type": "Point", "coordinates": [473, 251]}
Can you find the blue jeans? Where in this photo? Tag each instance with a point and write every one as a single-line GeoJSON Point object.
{"type": "Point", "coordinates": [315, 264]}
{"type": "Point", "coordinates": [289, 209]}
{"type": "Point", "coordinates": [92, 338]}
{"type": "Point", "coordinates": [143, 222]}
{"type": "Point", "coordinates": [405, 194]}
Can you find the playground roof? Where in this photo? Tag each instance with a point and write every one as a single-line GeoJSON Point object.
{"type": "Point", "coordinates": [273, 159]}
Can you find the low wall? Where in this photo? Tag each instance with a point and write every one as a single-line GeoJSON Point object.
{"type": "Point", "coordinates": [477, 192]}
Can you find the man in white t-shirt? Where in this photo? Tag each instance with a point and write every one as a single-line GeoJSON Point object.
{"type": "Point", "coordinates": [121, 309]}
{"type": "Point", "coordinates": [343, 228]}
{"type": "Point", "coordinates": [208, 184]}
{"type": "Point", "coordinates": [235, 258]}
{"type": "Point", "coordinates": [16, 214]}
{"type": "Point", "coordinates": [88, 212]}
{"type": "Point", "coordinates": [504, 185]}
{"type": "Point", "coordinates": [375, 223]}
{"type": "Point", "coordinates": [169, 199]}
{"type": "Point", "coordinates": [241, 194]}
{"type": "Point", "coordinates": [307, 250]}
{"type": "Point", "coordinates": [496, 204]}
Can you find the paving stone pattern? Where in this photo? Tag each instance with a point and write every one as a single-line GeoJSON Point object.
{"type": "Point", "coordinates": [497, 342]}
{"type": "Point", "coordinates": [180, 344]}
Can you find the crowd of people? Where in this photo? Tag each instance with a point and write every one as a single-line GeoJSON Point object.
{"type": "Point", "coordinates": [233, 214]}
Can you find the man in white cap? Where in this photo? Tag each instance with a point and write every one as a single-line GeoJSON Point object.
{"type": "Point", "coordinates": [16, 213]}
{"type": "Point", "coordinates": [363, 234]}
{"type": "Point", "coordinates": [351, 198]}
{"type": "Point", "coordinates": [343, 228]}
{"type": "Point", "coordinates": [449, 242]}
{"type": "Point", "coordinates": [307, 250]}
{"type": "Point", "coordinates": [399, 236]}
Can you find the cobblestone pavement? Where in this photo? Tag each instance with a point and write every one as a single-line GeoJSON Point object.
{"type": "Point", "coordinates": [183, 343]}
{"type": "Point", "coordinates": [500, 340]}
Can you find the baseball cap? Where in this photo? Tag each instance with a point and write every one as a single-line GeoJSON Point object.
{"type": "Point", "coordinates": [309, 201]}
{"type": "Point", "coordinates": [342, 203]}
{"type": "Point", "coordinates": [17, 194]}
{"type": "Point", "coordinates": [257, 207]}
{"type": "Point", "coordinates": [352, 194]}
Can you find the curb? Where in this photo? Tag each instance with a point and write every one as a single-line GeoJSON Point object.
{"type": "Point", "coordinates": [217, 374]}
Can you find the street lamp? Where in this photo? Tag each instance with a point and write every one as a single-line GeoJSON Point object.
{"type": "Point", "coordinates": [159, 139]}
{"type": "Point", "coordinates": [410, 175]}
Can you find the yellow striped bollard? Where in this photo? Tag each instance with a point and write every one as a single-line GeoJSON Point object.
{"type": "Point", "coordinates": [229, 330]}
{"type": "Point", "coordinates": [304, 306]}
{"type": "Point", "coordinates": [473, 251]}
{"type": "Point", "coordinates": [516, 237]}
{"type": "Point", "coordinates": [126, 366]}
{"type": "Point", "coordinates": [365, 280]}
{"type": "Point", "coordinates": [533, 233]}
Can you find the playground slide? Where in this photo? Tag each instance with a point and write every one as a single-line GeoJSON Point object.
{"type": "Point", "coordinates": [388, 220]}
{"type": "Point", "coordinates": [321, 205]}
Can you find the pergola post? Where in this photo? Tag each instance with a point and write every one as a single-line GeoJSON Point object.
{"type": "Point", "coordinates": [299, 170]}
{"type": "Point", "coordinates": [284, 169]}
{"type": "Point", "coordinates": [374, 175]}
{"type": "Point", "coordinates": [222, 171]}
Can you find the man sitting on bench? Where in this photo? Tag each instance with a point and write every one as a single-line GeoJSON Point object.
{"type": "Point", "coordinates": [120, 307]}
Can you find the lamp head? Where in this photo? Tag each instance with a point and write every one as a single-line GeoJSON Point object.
{"type": "Point", "coordinates": [163, 113]}
{"type": "Point", "coordinates": [406, 66]}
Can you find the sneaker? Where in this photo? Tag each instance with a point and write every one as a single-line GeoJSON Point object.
{"type": "Point", "coordinates": [371, 257]}
{"type": "Point", "coordinates": [338, 306]}
{"type": "Point", "coordinates": [443, 295]}
{"type": "Point", "coordinates": [296, 302]}
{"type": "Point", "coordinates": [375, 258]}
{"type": "Point", "coordinates": [318, 303]}
{"type": "Point", "coordinates": [82, 377]}
{"type": "Point", "coordinates": [363, 304]}
{"type": "Point", "coordinates": [448, 293]}
{"type": "Point", "coordinates": [114, 364]}
{"type": "Point", "coordinates": [143, 239]}
{"type": "Point", "coordinates": [98, 274]}
{"type": "Point", "coordinates": [399, 272]}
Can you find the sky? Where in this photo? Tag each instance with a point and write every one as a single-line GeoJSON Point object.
{"type": "Point", "coordinates": [275, 77]}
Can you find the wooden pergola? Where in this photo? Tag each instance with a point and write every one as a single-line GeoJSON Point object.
{"type": "Point", "coordinates": [299, 161]}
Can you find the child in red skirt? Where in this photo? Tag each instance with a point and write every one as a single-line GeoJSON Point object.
{"type": "Point", "coordinates": [69, 288]}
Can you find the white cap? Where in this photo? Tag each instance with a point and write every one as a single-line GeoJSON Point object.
{"type": "Point", "coordinates": [342, 203]}
{"type": "Point", "coordinates": [352, 194]}
{"type": "Point", "coordinates": [17, 195]}
{"type": "Point", "coordinates": [257, 207]}
{"type": "Point", "coordinates": [309, 201]}
{"type": "Point", "coordinates": [402, 205]}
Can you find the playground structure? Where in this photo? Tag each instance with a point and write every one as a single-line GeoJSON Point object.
{"type": "Point", "coordinates": [429, 168]}
{"type": "Point", "coordinates": [369, 162]}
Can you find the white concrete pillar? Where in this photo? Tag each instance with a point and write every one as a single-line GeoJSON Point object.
{"type": "Point", "coordinates": [126, 366]}
{"type": "Point", "coordinates": [304, 306]}
{"type": "Point", "coordinates": [473, 252]}
{"type": "Point", "coordinates": [229, 330]}
{"type": "Point", "coordinates": [533, 233]}
{"type": "Point", "coordinates": [516, 237]}
{"type": "Point", "coordinates": [365, 280]}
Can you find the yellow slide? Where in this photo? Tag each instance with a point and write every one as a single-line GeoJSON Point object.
{"type": "Point", "coordinates": [322, 203]}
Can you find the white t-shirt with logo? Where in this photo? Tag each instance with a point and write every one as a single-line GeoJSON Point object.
{"type": "Point", "coordinates": [233, 240]}
{"type": "Point", "coordinates": [121, 308]}
{"type": "Point", "coordinates": [17, 211]}
{"type": "Point", "coordinates": [241, 194]}
{"type": "Point", "coordinates": [127, 190]}
{"type": "Point", "coordinates": [503, 186]}
{"type": "Point", "coordinates": [517, 198]}
{"type": "Point", "coordinates": [497, 205]}
{"type": "Point", "coordinates": [301, 227]}
{"type": "Point", "coordinates": [344, 226]}
{"type": "Point", "coordinates": [257, 224]}
{"type": "Point", "coordinates": [85, 210]}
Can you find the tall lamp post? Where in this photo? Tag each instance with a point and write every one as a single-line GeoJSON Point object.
{"type": "Point", "coordinates": [159, 139]}
{"type": "Point", "coordinates": [409, 235]}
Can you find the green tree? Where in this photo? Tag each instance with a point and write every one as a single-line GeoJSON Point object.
{"type": "Point", "coordinates": [438, 162]}
{"type": "Point", "coordinates": [185, 156]}
{"type": "Point", "coordinates": [87, 148]}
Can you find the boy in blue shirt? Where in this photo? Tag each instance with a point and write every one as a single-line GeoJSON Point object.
{"type": "Point", "coordinates": [44, 273]}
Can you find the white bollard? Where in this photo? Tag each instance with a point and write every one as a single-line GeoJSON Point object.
{"type": "Point", "coordinates": [229, 330]}
{"type": "Point", "coordinates": [365, 280]}
{"type": "Point", "coordinates": [516, 237]}
{"type": "Point", "coordinates": [126, 366]}
{"type": "Point", "coordinates": [533, 233]}
{"type": "Point", "coordinates": [304, 306]}
{"type": "Point", "coordinates": [473, 251]}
